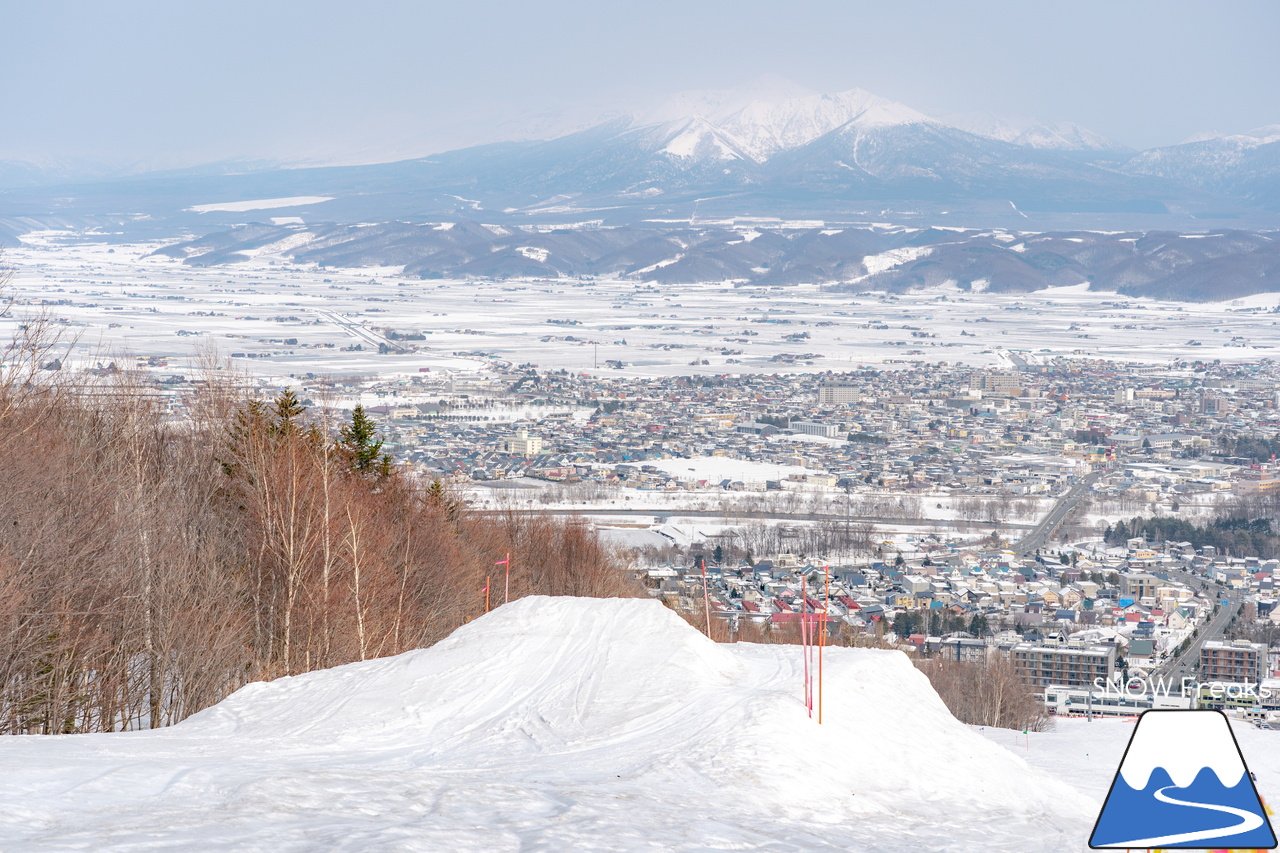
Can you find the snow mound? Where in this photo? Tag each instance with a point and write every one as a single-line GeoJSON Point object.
{"type": "Point", "coordinates": [538, 673]}
{"type": "Point", "coordinates": [554, 723]}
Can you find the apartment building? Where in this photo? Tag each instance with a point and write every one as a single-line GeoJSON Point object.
{"type": "Point", "coordinates": [1237, 661]}
{"type": "Point", "coordinates": [523, 444]}
{"type": "Point", "coordinates": [1042, 666]}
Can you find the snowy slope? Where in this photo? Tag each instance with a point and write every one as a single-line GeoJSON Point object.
{"type": "Point", "coordinates": [1246, 165]}
{"type": "Point", "coordinates": [550, 724]}
{"type": "Point", "coordinates": [764, 128]}
{"type": "Point", "coordinates": [1031, 132]}
{"type": "Point", "coordinates": [758, 122]}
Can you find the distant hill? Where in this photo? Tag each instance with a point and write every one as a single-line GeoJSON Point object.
{"type": "Point", "coordinates": [1243, 166]}
{"type": "Point", "coordinates": [1208, 266]}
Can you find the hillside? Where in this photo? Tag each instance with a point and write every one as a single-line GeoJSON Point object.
{"type": "Point", "coordinates": [551, 723]}
{"type": "Point", "coordinates": [1206, 266]}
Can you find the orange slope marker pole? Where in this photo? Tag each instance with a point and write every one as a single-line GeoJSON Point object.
{"type": "Point", "coordinates": [486, 593]}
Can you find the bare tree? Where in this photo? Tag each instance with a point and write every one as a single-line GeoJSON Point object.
{"type": "Point", "coordinates": [985, 694]}
{"type": "Point", "coordinates": [149, 566]}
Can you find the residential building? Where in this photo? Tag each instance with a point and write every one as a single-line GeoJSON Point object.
{"type": "Point", "coordinates": [523, 444]}
{"type": "Point", "coordinates": [1044, 666]}
{"type": "Point", "coordinates": [1237, 661]}
{"type": "Point", "coordinates": [832, 393]}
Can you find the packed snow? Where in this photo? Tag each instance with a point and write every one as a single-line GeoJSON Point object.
{"type": "Point", "coordinates": [894, 258]}
{"type": "Point", "coordinates": [552, 724]}
{"type": "Point", "coordinates": [717, 468]}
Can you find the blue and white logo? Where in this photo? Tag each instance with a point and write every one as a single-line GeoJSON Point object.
{"type": "Point", "coordinates": [1182, 784]}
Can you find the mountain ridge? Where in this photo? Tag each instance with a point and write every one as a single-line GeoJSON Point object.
{"type": "Point", "coordinates": [850, 156]}
{"type": "Point", "coordinates": [1214, 266]}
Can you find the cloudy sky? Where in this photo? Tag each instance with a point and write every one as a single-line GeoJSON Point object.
{"type": "Point", "coordinates": [176, 82]}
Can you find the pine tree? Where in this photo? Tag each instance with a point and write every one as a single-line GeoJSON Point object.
{"type": "Point", "coordinates": [359, 441]}
{"type": "Point", "coordinates": [287, 408]}
{"type": "Point", "coordinates": [438, 496]}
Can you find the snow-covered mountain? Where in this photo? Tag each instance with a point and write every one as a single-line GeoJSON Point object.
{"type": "Point", "coordinates": [762, 121]}
{"type": "Point", "coordinates": [1032, 132]}
{"type": "Point", "coordinates": [786, 142]}
{"type": "Point", "coordinates": [772, 149]}
{"type": "Point", "coordinates": [1249, 139]}
{"type": "Point", "coordinates": [1245, 165]}
{"type": "Point", "coordinates": [757, 125]}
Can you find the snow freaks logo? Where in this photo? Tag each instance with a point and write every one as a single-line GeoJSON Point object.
{"type": "Point", "coordinates": [1160, 686]}
{"type": "Point", "coordinates": [1182, 784]}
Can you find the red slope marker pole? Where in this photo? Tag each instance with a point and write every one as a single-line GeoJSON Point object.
{"type": "Point", "coordinates": [822, 636]}
{"type": "Point", "coordinates": [804, 649]}
{"type": "Point", "coordinates": [506, 590]}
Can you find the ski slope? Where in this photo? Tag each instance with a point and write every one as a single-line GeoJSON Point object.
{"type": "Point", "coordinates": [551, 724]}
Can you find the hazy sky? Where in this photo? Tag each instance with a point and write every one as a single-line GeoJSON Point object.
{"type": "Point", "coordinates": [182, 81]}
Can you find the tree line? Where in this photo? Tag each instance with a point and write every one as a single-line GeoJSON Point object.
{"type": "Point", "coordinates": [151, 564]}
{"type": "Point", "coordinates": [1240, 535]}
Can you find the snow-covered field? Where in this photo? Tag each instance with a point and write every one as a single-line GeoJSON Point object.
{"type": "Point", "coordinates": [294, 320]}
{"type": "Point", "coordinates": [574, 724]}
{"type": "Point", "coordinates": [701, 514]}
{"type": "Point", "coordinates": [717, 468]}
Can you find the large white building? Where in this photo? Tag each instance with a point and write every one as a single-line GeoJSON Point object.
{"type": "Point", "coordinates": [830, 393]}
{"type": "Point", "coordinates": [814, 428]}
{"type": "Point", "coordinates": [523, 444]}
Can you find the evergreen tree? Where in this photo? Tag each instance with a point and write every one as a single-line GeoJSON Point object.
{"type": "Point", "coordinates": [435, 493]}
{"type": "Point", "coordinates": [718, 555]}
{"type": "Point", "coordinates": [978, 625]}
{"type": "Point", "coordinates": [286, 409]}
{"type": "Point", "coordinates": [359, 441]}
